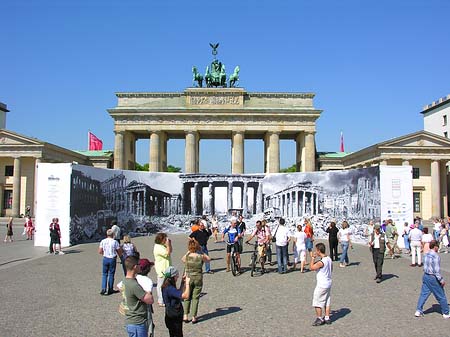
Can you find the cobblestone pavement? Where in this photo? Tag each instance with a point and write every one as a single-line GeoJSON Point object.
{"type": "Point", "coordinates": [47, 295]}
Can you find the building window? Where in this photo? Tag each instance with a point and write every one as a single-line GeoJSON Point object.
{"type": "Point", "coordinates": [416, 202]}
{"type": "Point", "coordinates": [444, 120]}
{"type": "Point", "coordinates": [9, 170]}
{"type": "Point", "coordinates": [416, 173]}
{"type": "Point", "coordinates": [446, 134]}
{"type": "Point", "coordinates": [7, 199]}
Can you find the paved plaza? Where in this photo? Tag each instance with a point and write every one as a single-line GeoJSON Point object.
{"type": "Point", "coordinates": [46, 295]}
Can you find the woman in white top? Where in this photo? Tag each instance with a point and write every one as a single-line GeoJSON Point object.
{"type": "Point", "coordinates": [344, 238]}
{"type": "Point", "coordinates": [426, 239]}
{"type": "Point", "coordinates": [299, 239]}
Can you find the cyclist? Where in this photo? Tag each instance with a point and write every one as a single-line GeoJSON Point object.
{"type": "Point", "coordinates": [242, 228]}
{"type": "Point", "coordinates": [233, 236]}
{"type": "Point", "coordinates": [262, 234]}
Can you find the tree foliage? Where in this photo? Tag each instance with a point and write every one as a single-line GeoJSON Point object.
{"type": "Point", "coordinates": [289, 169]}
{"type": "Point", "coordinates": [170, 168]}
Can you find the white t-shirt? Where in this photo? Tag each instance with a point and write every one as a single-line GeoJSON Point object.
{"type": "Point", "coordinates": [144, 281]}
{"type": "Point", "coordinates": [344, 234]}
{"type": "Point", "coordinates": [282, 236]}
{"type": "Point", "coordinates": [437, 226]}
{"type": "Point", "coordinates": [109, 247]}
{"type": "Point", "coordinates": [323, 276]}
{"type": "Point", "coordinates": [300, 240]}
{"type": "Point", "coordinates": [415, 234]}
{"type": "Point", "coordinates": [427, 238]}
{"type": "Point", "coordinates": [116, 231]}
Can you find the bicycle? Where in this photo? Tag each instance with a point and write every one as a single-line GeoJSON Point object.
{"type": "Point", "coordinates": [234, 259]}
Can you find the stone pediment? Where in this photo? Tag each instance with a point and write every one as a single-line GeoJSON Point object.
{"type": "Point", "coordinates": [418, 139]}
{"type": "Point", "coordinates": [9, 138]}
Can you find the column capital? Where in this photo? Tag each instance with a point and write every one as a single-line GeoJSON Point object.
{"type": "Point", "coordinates": [119, 132]}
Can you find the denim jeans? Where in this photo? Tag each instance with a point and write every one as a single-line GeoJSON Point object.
{"type": "Point", "coordinates": [207, 264]}
{"type": "Point", "coordinates": [282, 256]}
{"type": "Point", "coordinates": [137, 330]}
{"type": "Point", "coordinates": [430, 284]}
{"type": "Point", "coordinates": [109, 269]}
{"type": "Point", "coordinates": [344, 255]}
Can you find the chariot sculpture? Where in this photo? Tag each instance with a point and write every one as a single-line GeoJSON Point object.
{"type": "Point", "coordinates": [215, 75]}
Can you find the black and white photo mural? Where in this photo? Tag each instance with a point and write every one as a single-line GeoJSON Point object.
{"type": "Point", "coordinates": [144, 203]}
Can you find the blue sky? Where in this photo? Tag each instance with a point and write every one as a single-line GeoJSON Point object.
{"type": "Point", "coordinates": [372, 64]}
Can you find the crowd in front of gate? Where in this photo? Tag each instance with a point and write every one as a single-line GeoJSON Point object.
{"type": "Point", "coordinates": [178, 292]}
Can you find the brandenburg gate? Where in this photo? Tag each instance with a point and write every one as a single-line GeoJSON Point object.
{"type": "Point", "coordinates": [214, 113]}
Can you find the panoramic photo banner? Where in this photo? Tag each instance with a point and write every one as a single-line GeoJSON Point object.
{"type": "Point", "coordinates": [143, 202]}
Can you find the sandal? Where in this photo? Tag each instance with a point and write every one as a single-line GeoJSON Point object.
{"type": "Point", "coordinates": [161, 304]}
{"type": "Point", "coordinates": [194, 320]}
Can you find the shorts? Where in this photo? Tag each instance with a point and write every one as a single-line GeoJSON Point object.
{"type": "Point", "coordinates": [262, 251]}
{"type": "Point", "coordinates": [235, 245]}
{"type": "Point", "coordinates": [321, 297]}
{"type": "Point", "coordinates": [309, 244]}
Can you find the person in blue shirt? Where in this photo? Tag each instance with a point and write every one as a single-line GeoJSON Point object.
{"type": "Point", "coordinates": [233, 241]}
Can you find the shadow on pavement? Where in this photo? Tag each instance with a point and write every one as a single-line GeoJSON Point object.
{"type": "Point", "coordinates": [17, 260]}
{"type": "Point", "coordinates": [72, 251]}
{"type": "Point", "coordinates": [434, 308]}
{"type": "Point", "coordinates": [216, 250]}
{"type": "Point", "coordinates": [388, 276]}
{"type": "Point", "coordinates": [340, 313]}
{"type": "Point", "coordinates": [219, 312]}
{"type": "Point", "coordinates": [353, 264]}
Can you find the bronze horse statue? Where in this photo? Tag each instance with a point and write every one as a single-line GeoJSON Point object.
{"type": "Point", "coordinates": [234, 77]}
{"type": "Point", "coordinates": [197, 77]}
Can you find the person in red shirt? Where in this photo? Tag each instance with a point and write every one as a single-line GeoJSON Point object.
{"type": "Point", "coordinates": [29, 228]}
{"type": "Point", "coordinates": [55, 236]}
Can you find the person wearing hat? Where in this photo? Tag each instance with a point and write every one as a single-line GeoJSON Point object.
{"type": "Point", "coordinates": [173, 297]}
{"type": "Point", "coordinates": [135, 299]}
{"type": "Point", "coordinates": [377, 243]}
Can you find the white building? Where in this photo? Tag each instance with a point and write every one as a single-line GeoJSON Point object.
{"type": "Point", "coordinates": [436, 117]}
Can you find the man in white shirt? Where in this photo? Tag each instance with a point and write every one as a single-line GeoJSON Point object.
{"type": "Point", "coordinates": [282, 240]}
{"type": "Point", "coordinates": [322, 292]}
{"type": "Point", "coordinates": [415, 238]}
{"type": "Point", "coordinates": [109, 248]}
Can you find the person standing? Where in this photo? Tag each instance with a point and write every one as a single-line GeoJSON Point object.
{"type": "Point", "coordinates": [333, 241]}
{"type": "Point", "coordinates": [282, 242]}
{"type": "Point", "coordinates": [426, 239]}
{"type": "Point", "coordinates": [55, 237]}
{"type": "Point", "coordinates": [173, 297]}
{"type": "Point", "coordinates": [344, 237]}
{"type": "Point", "coordinates": [202, 236]}
{"type": "Point", "coordinates": [109, 248]}
{"type": "Point", "coordinates": [193, 261]}
{"type": "Point", "coordinates": [391, 236]}
{"type": "Point", "coordinates": [377, 243]}
{"type": "Point", "coordinates": [215, 228]}
{"type": "Point", "coordinates": [128, 249]}
{"type": "Point", "coordinates": [405, 236]}
{"type": "Point", "coordinates": [232, 243]}
{"type": "Point", "coordinates": [161, 252]}
{"type": "Point", "coordinates": [116, 231]}
{"type": "Point", "coordinates": [242, 228]}
{"type": "Point", "coordinates": [135, 299]}
{"type": "Point", "coordinates": [415, 238]}
{"type": "Point", "coordinates": [29, 228]}
{"type": "Point", "coordinates": [322, 292]}
{"type": "Point", "coordinates": [9, 231]}
{"type": "Point", "coordinates": [309, 231]}
{"type": "Point", "coordinates": [299, 248]}
{"type": "Point", "coordinates": [432, 282]}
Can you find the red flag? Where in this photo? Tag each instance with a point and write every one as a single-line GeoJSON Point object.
{"type": "Point", "coordinates": [95, 144]}
{"type": "Point", "coordinates": [342, 142]}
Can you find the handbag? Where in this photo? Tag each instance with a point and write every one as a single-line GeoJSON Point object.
{"type": "Point", "coordinates": [274, 239]}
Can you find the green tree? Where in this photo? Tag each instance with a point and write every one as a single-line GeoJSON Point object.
{"type": "Point", "coordinates": [289, 169]}
{"type": "Point", "coordinates": [170, 168]}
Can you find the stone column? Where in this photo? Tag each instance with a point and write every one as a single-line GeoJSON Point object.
{"type": "Point", "coordinates": [163, 152]}
{"type": "Point", "coordinates": [291, 204]}
{"type": "Point", "coordinates": [310, 152]}
{"type": "Point", "coordinates": [317, 203]}
{"type": "Point", "coordinates": [196, 201]}
{"type": "Point", "coordinates": [190, 152]}
{"type": "Point", "coordinates": [211, 202]}
{"type": "Point", "coordinates": [16, 188]}
{"type": "Point", "coordinates": [304, 203]}
{"type": "Point", "coordinates": [197, 152]}
{"type": "Point", "coordinates": [443, 179]}
{"type": "Point", "coordinates": [273, 153]}
{"type": "Point", "coordinates": [300, 151]}
{"type": "Point", "coordinates": [237, 152]}
{"type": "Point", "coordinates": [155, 152]}
{"type": "Point", "coordinates": [230, 195]}
{"type": "Point", "coordinates": [435, 189]}
{"type": "Point", "coordinates": [259, 198]}
{"type": "Point", "coordinates": [119, 153]}
{"type": "Point", "coordinates": [245, 199]}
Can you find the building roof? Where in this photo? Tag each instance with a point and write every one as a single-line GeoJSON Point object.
{"type": "Point", "coordinates": [102, 153]}
{"type": "Point", "coordinates": [333, 154]}
{"type": "Point", "coordinates": [436, 104]}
